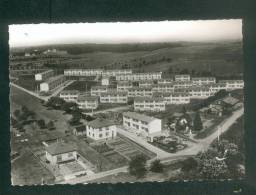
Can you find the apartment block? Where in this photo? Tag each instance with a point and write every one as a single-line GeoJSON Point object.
{"type": "Point", "coordinates": [42, 76]}
{"type": "Point", "coordinates": [203, 80]}
{"type": "Point", "coordinates": [124, 85]}
{"type": "Point", "coordinates": [114, 97]}
{"type": "Point", "coordinates": [139, 76]}
{"type": "Point", "coordinates": [97, 90]}
{"type": "Point", "coordinates": [233, 84]}
{"type": "Point", "coordinates": [174, 97]}
{"type": "Point", "coordinates": [69, 95]}
{"type": "Point", "coordinates": [87, 102]}
{"type": "Point", "coordinates": [182, 77]}
{"type": "Point", "coordinates": [165, 87]}
{"type": "Point", "coordinates": [140, 92]}
{"type": "Point", "coordinates": [52, 83]}
{"type": "Point", "coordinates": [154, 104]}
{"type": "Point", "coordinates": [142, 123]}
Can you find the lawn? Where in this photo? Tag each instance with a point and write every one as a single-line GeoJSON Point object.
{"type": "Point", "coordinates": [27, 82]}
{"type": "Point", "coordinates": [84, 86]}
{"type": "Point", "coordinates": [20, 98]}
{"type": "Point", "coordinates": [212, 128]}
{"type": "Point", "coordinates": [170, 171]}
{"type": "Point", "coordinates": [235, 134]}
{"type": "Point", "coordinates": [168, 144]}
{"type": "Point", "coordinates": [27, 170]}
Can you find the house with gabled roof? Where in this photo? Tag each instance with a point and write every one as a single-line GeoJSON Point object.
{"type": "Point", "coordinates": [60, 152]}
{"type": "Point", "coordinates": [141, 122]}
{"type": "Point", "coordinates": [100, 129]}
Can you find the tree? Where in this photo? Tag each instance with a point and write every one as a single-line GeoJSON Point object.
{"type": "Point", "coordinates": [55, 102]}
{"type": "Point", "coordinates": [198, 125]}
{"type": "Point", "coordinates": [184, 110]}
{"type": "Point", "coordinates": [69, 106]}
{"type": "Point", "coordinates": [169, 123]}
{"type": "Point", "coordinates": [41, 124]}
{"type": "Point", "coordinates": [24, 109]}
{"type": "Point", "coordinates": [50, 125]}
{"type": "Point", "coordinates": [209, 167]}
{"type": "Point", "coordinates": [156, 166]}
{"type": "Point", "coordinates": [189, 164]}
{"type": "Point", "coordinates": [17, 113]}
{"type": "Point", "coordinates": [137, 166]}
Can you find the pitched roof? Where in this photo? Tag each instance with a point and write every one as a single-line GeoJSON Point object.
{"type": "Point", "coordinates": [230, 100]}
{"type": "Point", "coordinates": [140, 117]}
{"type": "Point", "coordinates": [60, 148]}
{"type": "Point", "coordinates": [100, 122]}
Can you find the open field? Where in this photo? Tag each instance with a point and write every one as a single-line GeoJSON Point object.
{"type": "Point", "coordinates": [170, 171]}
{"type": "Point", "coordinates": [235, 134]}
{"type": "Point", "coordinates": [84, 86]}
{"type": "Point", "coordinates": [20, 98]}
{"type": "Point", "coordinates": [217, 57]}
{"type": "Point", "coordinates": [21, 175]}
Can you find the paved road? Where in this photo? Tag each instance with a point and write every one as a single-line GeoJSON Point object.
{"type": "Point", "coordinates": [126, 107]}
{"type": "Point", "coordinates": [45, 98]}
{"type": "Point", "coordinates": [28, 91]}
{"type": "Point", "coordinates": [165, 157]}
{"type": "Point", "coordinates": [160, 153]}
{"type": "Point", "coordinates": [87, 178]}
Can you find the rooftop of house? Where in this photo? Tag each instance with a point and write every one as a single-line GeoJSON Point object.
{"type": "Point", "coordinates": [168, 94]}
{"type": "Point", "coordinates": [230, 100]}
{"type": "Point", "coordinates": [86, 98]}
{"type": "Point", "coordinates": [148, 99]}
{"type": "Point", "coordinates": [99, 87]}
{"type": "Point", "coordinates": [51, 79]}
{"type": "Point", "coordinates": [100, 122]}
{"type": "Point", "coordinates": [140, 117]}
{"type": "Point", "coordinates": [203, 78]}
{"type": "Point", "coordinates": [69, 91]}
{"type": "Point", "coordinates": [182, 75]}
{"type": "Point", "coordinates": [231, 81]}
{"type": "Point", "coordinates": [46, 71]}
{"type": "Point", "coordinates": [114, 93]}
{"type": "Point", "coordinates": [60, 148]}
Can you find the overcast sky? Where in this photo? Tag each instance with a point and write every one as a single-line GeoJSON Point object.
{"type": "Point", "coordinates": [165, 31]}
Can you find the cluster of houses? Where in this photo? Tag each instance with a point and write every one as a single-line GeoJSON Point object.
{"type": "Point", "coordinates": [149, 91]}
{"type": "Point", "coordinates": [49, 81]}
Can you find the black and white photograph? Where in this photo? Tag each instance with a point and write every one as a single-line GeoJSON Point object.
{"type": "Point", "coordinates": [112, 102]}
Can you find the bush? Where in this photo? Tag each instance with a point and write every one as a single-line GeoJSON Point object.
{"type": "Point", "coordinates": [156, 166]}
{"type": "Point", "coordinates": [137, 166]}
{"type": "Point", "coordinates": [41, 124]}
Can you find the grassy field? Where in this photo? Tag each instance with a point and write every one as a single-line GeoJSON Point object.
{"type": "Point", "coordinates": [235, 134]}
{"type": "Point", "coordinates": [219, 58]}
{"type": "Point", "coordinates": [19, 98]}
{"type": "Point", "coordinates": [170, 171]}
{"type": "Point", "coordinates": [84, 86]}
{"type": "Point", "coordinates": [21, 175]}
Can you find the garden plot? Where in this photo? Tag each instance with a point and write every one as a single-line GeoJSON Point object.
{"type": "Point", "coordinates": [129, 149]}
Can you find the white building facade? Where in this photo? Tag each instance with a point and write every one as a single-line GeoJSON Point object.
{"type": "Point", "coordinates": [153, 104]}
{"type": "Point", "coordinates": [139, 76]}
{"type": "Point", "coordinates": [42, 76]}
{"type": "Point", "coordinates": [52, 83]}
{"type": "Point", "coordinates": [114, 97]}
{"type": "Point", "coordinates": [99, 129]}
{"type": "Point", "coordinates": [143, 123]}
